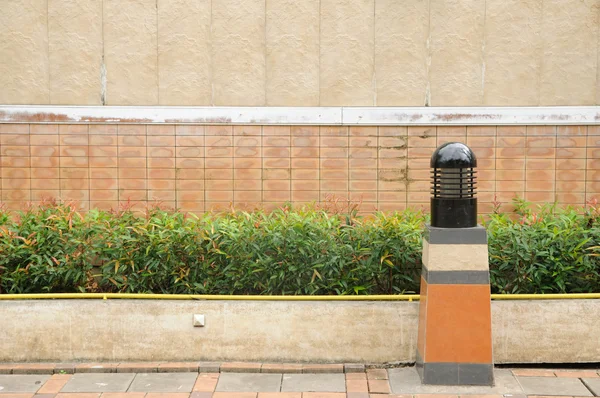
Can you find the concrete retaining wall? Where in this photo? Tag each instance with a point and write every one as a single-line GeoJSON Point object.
{"type": "Point", "coordinates": [272, 331]}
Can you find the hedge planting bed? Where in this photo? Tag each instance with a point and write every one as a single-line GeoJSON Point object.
{"type": "Point", "coordinates": [309, 251]}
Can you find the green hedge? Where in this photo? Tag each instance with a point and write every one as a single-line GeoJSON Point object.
{"type": "Point", "coordinates": [52, 248]}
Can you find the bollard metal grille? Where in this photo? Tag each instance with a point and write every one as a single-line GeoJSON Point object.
{"type": "Point", "coordinates": [454, 183]}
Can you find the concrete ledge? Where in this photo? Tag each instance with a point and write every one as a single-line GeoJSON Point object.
{"type": "Point", "coordinates": [545, 331]}
{"type": "Point", "coordinates": [351, 116]}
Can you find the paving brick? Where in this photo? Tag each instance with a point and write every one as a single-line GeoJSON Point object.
{"type": "Point", "coordinates": [138, 367]}
{"type": "Point", "coordinates": [377, 374]}
{"type": "Point", "coordinates": [201, 394]}
{"type": "Point", "coordinates": [593, 384]}
{"type": "Point", "coordinates": [167, 395]}
{"type": "Point", "coordinates": [553, 386]}
{"type": "Point", "coordinates": [241, 367]}
{"type": "Point", "coordinates": [357, 386]}
{"type": "Point", "coordinates": [98, 382]}
{"type": "Point", "coordinates": [163, 382]}
{"type": "Point", "coordinates": [43, 395]}
{"type": "Point", "coordinates": [235, 395]}
{"type": "Point", "coordinates": [77, 395]}
{"type": "Point", "coordinates": [123, 395]}
{"type": "Point", "coordinates": [313, 383]}
{"type": "Point", "coordinates": [259, 382]}
{"type": "Point", "coordinates": [33, 368]}
{"type": "Point", "coordinates": [6, 368]}
{"type": "Point", "coordinates": [209, 367]}
{"type": "Point", "coordinates": [54, 384]}
{"type": "Point", "coordinates": [356, 376]}
{"type": "Point", "coordinates": [279, 395]}
{"type": "Point", "coordinates": [16, 395]}
{"type": "Point", "coordinates": [22, 383]}
{"type": "Point", "coordinates": [206, 382]}
{"type": "Point", "coordinates": [324, 368]}
{"type": "Point", "coordinates": [534, 372]}
{"type": "Point", "coordinates": [178, 367]}
{"type": "Point", "coordinates": [323, 395]}
{"type": "Point", "coordinates": [408, 395]}
{"type": "Point", "coordinates": [576, 373]}
{"type": "Point", "coordinates": [362, 395]}
{"type": "Point", "coordinates": [379, 386]}
{"type": "Point", "coordinates": [354, 368]}
{"type": "Point", "coordinates": [435, 396]}
{"type": "Point", "coordinates": [96, 368]}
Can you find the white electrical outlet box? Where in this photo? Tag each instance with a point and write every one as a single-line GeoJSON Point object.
{"type": "Point", "coordinates": [198, 320]}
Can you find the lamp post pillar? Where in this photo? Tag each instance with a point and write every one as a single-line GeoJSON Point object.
{"type": "Point", "coordinates": [454, 345]}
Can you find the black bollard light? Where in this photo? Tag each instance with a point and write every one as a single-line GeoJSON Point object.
{"type": "Point", "coordinates": [453, 187]}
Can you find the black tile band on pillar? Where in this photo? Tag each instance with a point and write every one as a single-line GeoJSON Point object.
{"type": "Point", "coordinates": [454, 345]}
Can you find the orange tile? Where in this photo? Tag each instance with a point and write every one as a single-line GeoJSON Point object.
{"type": "Point", "coordinates": [276, 163]}
{"type": "Point", "coordinates": [168, 196]}
{"type": "Point", "coordinates": [168, 174]}
{"type": "Point", "coordinates": [180, 141]}
{"type": "Point", "coordinates": [276, 141]}
{"type": "Point", "coordinates": [219, 196]}
{"type": "Point", "coordinates": [73, 129]}
{"type": "Point", "coordinates": [248, 174]}
{"type": "Point", "coordinates": [276, 196]}
{"type": "Point", "coordinates": [458, 324]}
{"type": "Point", "coordinates": [16, 139]}
{"type": "Point", "coordinates": [541, 131]}
{"type": "Point", "coordinates": [71, 140]}
{"type": "Point", "coordinates": [161, 184]}
{"type": "Point", "coordinates": [103, 140]}
{"type": "Point", "coordinates": [38, 128]}
{"type": "Point", "coordinates": [509, 142]}
{"type": "Point", "coordinates": [431, 131]}
{"type": "Point", "coordinates": [48, 150]}
{"type": "Point", "coordinates": [45, 183]}
{"type": "Point", "coordinates": [190, 185]}
{"type": "Point", "coordinates": [367, 142]}
{"type": "Point", "coordinates": [363, 131]}
{"type": "Point", "coordinates": [476, 130]}
{"type": "Point", "coordinates": [305, 185]}
{"type": "Point", "coordinates": [571, 153]}
{"type": "Point", "coordinates": [190, 152]}
{"type": "Point", "coordinates": [305, 196]}
{"type": "Point", "coordinates": [334, 174]}
{"type": "Point", "coordinates": [304, 131]}
{"type": "Point", "coordinates": [246, 141]}
{"type": "Point", "coordinates": [250, 163]}
{"type": "Point", "coordinates": [219, 185]}
{"type": "Point", "coordinates": [131, 173]}
{"type": "Point", "coordinates": [247, 130]}
{"type": "Point", "coordinates": [218, 174]}
{"type": "Point", "coordinates": [393, 131]}
{"type": "Point", "coordinates": [571, 130]}
{"type": "Point", "coordinates": [189, 163]}
{"type": "Point", "coordinates": [189, 174]}
{"type": "Point", "coordinates": [276, 130]}
{"type": "Point", "coordinates": [190, 196]}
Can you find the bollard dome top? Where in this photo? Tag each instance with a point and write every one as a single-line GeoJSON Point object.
{"type": "Point", "coordinates": [453, 155]}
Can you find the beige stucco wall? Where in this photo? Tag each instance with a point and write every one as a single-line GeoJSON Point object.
{"type": "Point", "coordinates": [543, 331]}
{"type": "Point", "coordinates": [300, 53]}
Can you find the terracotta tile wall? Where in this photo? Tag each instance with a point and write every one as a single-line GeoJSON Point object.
{"type": "Point", "coordinates": [201, 168]}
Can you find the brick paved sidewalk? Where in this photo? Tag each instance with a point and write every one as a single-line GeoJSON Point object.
{"type": "Point", "coordinates": [277, 381]}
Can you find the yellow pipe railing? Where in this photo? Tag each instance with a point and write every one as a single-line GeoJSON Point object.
{"type": "Point", "coordinates": [404, 297]}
